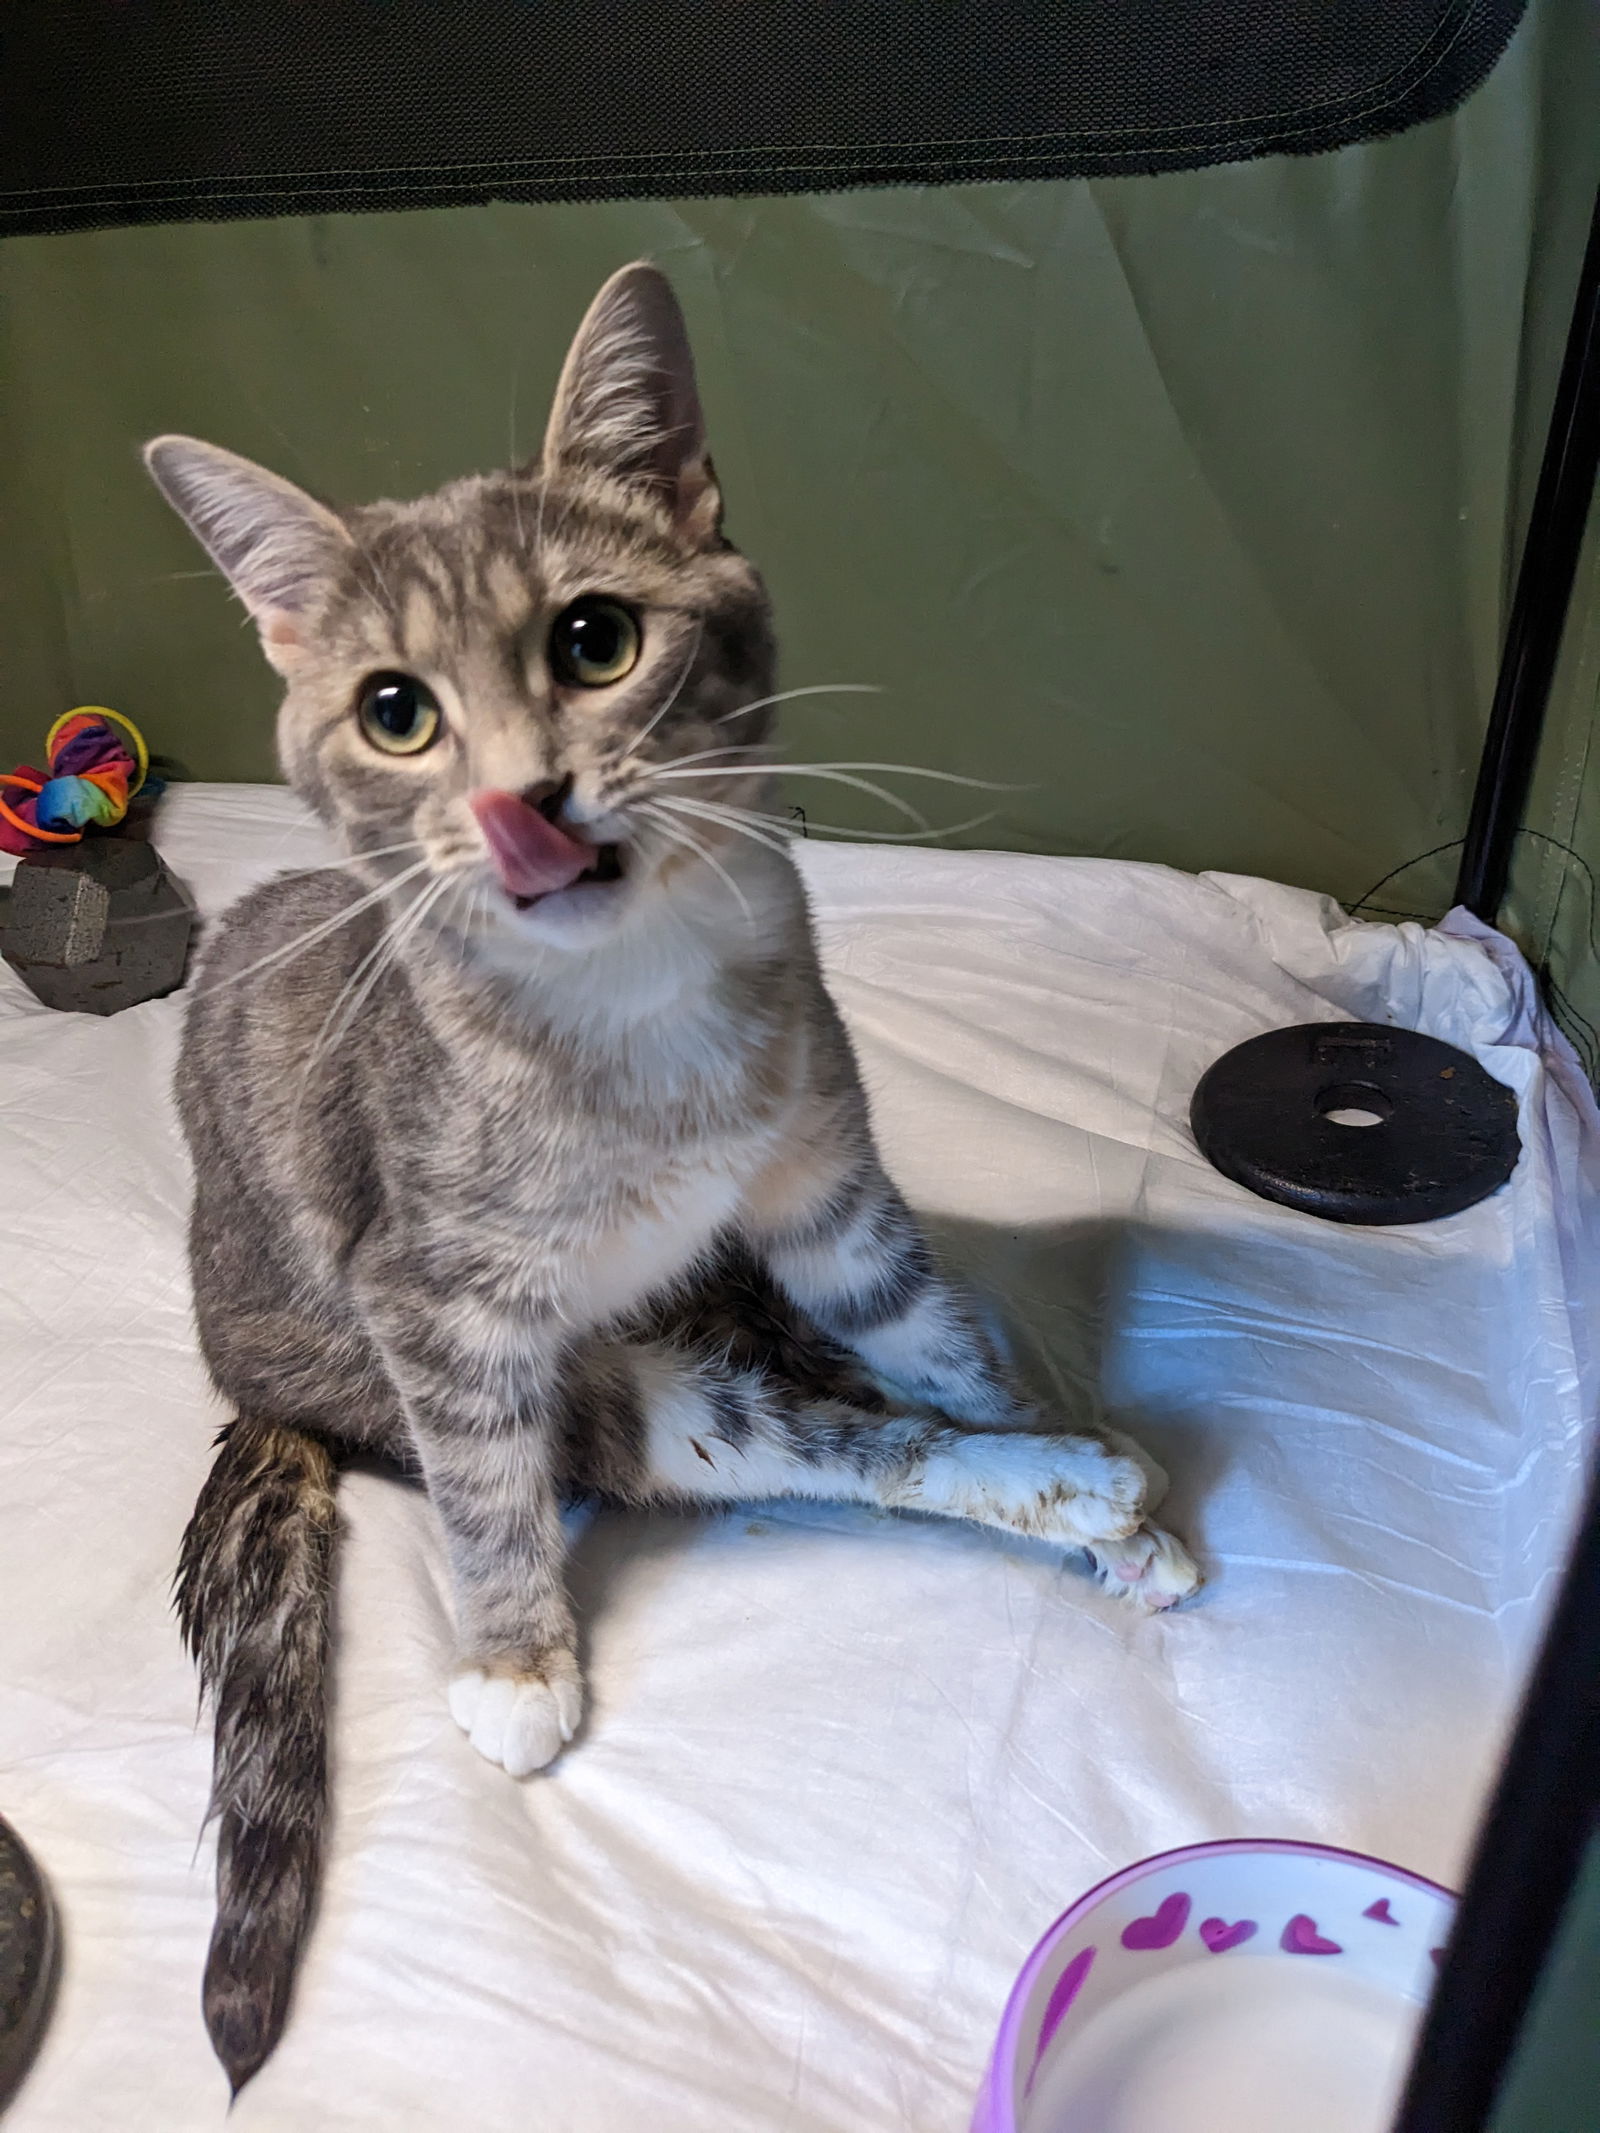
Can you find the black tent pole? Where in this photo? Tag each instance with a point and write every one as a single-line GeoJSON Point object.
{"type": "Point", "coordinates": [1543, 1815]}
{"type": "Point", "coordinates": [1539, 609]}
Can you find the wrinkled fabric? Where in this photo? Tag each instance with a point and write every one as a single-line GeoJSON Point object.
{"type": "Point", "coordinates": [839, 1770]}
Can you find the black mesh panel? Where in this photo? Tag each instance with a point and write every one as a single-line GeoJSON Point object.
{"type": "Point", "coordinates": [116, 111]}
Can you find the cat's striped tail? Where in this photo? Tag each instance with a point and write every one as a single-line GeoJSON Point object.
{"type": "Point", "coordinates": [254, 1586]}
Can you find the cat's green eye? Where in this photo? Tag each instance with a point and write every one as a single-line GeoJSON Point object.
{"type": "Point", "coordinates": [594, 642]}
{"type": "Point", "coordinates": [398, 713]}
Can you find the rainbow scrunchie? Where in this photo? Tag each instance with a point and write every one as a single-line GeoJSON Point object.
{"type": "Point", "coordinates": [98, 761]}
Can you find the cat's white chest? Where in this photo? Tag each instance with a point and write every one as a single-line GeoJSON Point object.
{"type": "Point", "coordinates": [668, 1225]}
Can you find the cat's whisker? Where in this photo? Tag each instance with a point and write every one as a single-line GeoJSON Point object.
{"type": "Point", "coordinates": [911, 770]}
{"type": "Point", "coordinates": [466, 913]}
{"type": "Point", "coordinates": [830, 776]}
{"type": "Point", "coordinates": [374, 572]}
{"type": "Point", "coordinates": [511, 457]}
{"type": "Point", "coordinates": [368, 962]}
{"type": "Point", "coordinates": [423, 904]}
{"type": "Point", "coordinates": [476, 901]}
{"type": "Point", "coordinates": [726, 818]}
{"type": "Point", "coordinates": [384, 851]}
{"type": "Point", "coordinates": [451, 914]}
{"type": "Point", "coordinates": [677, 687]}
{"type": "Point", "coordinates": [727, 811]}
{"type": "Point", "coordinates": [306, 940]}
{"type": "Point", "coordinates": [787, 696]}
{"type": "Point", "coordinates": [538, 523]}
{"type": "Point", "coordinates": [420, 913]}
{"type": "Point", "coordinates": [826, 770]}
{"type": "Point", "coordinates": [370, 970]}
{"type": "Point", "coordinates": [676, 833]}
{"type": "Point", "coordinates": [477, 904]}
{"type": "Point", "coordinates": [866, 836]}
{"type": "Point", "coordinates": [704, 755]}
{"type": "Point", "coordinates": [345, 866]}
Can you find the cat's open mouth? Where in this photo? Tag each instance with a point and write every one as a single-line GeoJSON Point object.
{"type": "Point", "coordinates": [606, 866]}
{"type": "Point", "coordinates": [533, 853]}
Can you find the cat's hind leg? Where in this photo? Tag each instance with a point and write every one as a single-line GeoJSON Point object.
{"type": "Point", "coordinates": [651, 1424]}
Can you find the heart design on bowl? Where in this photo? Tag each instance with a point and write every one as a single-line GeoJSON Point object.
{"type": "Point", "coordinates": [1220, 1937]}
{"type": "Point", "coordinates": [1068, 1985]}
{"type": "Point", "coordinates": [1300, 1937]}
{"type": "Point", "coordinates": [1381, 1912]}
{"type": "Point", "coordinates": [1162, 1928]}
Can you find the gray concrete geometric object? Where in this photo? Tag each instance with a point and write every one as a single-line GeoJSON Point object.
{"type": "Point", "coordinates": [97, 926]}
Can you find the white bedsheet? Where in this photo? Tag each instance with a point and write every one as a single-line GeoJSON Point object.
{"type": "Point", "coordinates": [840, 1770]}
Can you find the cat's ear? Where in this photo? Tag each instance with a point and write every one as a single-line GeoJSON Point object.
{"type": "Point", "coordinates": [627, 403]}
{"type": "Point", "coordinates": [272, 542]}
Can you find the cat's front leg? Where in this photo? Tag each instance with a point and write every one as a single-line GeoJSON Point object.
{"type": "Point", "coordinates": [516, 1691]}
{"type": "Point", "coordinates": [484, 1414]}
{"type": "Point", "coordinates": [839, 1240]}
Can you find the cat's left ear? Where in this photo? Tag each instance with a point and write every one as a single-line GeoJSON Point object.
{"type": "Point", "coordinates": [627, 404]}
{"type": "Point", "coordinates": [274, 544]}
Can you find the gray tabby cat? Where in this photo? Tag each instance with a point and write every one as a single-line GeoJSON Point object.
{"type": "Point", "coordinates": [528, 1146]}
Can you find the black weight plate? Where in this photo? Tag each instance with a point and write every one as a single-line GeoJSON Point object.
{"type": "Point", "coordinates": [27, 1958]}
{"type": "Point", "coordinates": [1442, 1133]}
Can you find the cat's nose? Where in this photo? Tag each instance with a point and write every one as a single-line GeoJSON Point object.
{"type": "Point", "coordinates": [549, 797]}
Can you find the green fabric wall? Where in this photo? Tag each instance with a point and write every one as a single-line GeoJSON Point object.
{"type": "Point", "coordinates": [1192, 503]}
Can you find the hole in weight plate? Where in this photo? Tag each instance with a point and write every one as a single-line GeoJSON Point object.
{"type": "Point", "coordinates": [1354, 1103]}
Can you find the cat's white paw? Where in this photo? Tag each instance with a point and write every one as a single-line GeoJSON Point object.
{"type": "Point", "coordinates": [1075, 1490]}
{"type": "Point", "coordinates": [1155, 1475]}
{"type": "Point", "coordinates": [1149, 1568]}
{"type": "Point", "coordinates": [520, 1721]}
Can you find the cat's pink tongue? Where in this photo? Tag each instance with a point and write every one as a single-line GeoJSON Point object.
{"type": "Point", "coordinates": [531, 856]}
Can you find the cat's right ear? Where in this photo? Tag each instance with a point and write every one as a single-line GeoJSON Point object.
{"type": "Point", "coordinates": [627, 402]}
{"type": "Point", "coordinates": [272, 542]}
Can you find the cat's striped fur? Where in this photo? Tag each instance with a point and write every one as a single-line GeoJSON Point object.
{"type": "Point", "coordinates": [571, 1193]}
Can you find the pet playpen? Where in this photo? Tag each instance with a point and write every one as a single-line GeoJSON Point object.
{"type": "Point", "coordinates": [1154, 403]}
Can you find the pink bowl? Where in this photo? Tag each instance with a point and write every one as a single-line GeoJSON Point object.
{"type": "Point", "coordinates": [1206, 1986]}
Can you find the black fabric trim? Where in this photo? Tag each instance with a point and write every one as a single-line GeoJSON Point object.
{"type": "Point", "coordinates": [135, 111]}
